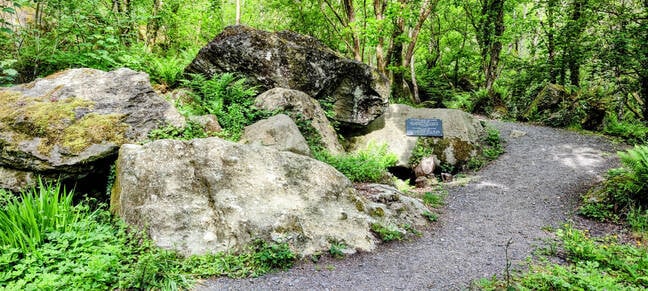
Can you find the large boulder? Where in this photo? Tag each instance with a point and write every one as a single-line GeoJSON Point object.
{"type": "Point", "coordinates": [461, 139]}
{"type": "Point", "coordinates": [302, 106]}
{"type": "Point", "coordinates": [65, 124]}
{"type": "Point", "coordinates": [279, 132]}
{"type": "Point", "coordinates": [214, 195]}
{"type": "Point", "coordinates": [286, 59]}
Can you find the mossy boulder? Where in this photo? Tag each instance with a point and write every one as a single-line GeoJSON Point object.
{"type": "Point", "coordinates": [62, 125]}
{"type": "Point", "coordinates": [358, 93]}
{"type": "Point", "coordinates": [461, 140]}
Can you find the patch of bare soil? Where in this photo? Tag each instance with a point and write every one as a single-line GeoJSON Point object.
{"type": "Point", "coordinates": [534, 186]}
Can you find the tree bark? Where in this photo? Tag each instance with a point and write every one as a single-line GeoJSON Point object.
{"type": "Point", "coordinates": [238, 12]}
{"type": "Point", "coordinates": [381, 60]}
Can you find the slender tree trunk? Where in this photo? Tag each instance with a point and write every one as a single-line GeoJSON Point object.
{"type": "Point", "coordinates": [494, 12]}
{"type": "Point", "coordinates": [408, 60]}
{"type": "Point", "coordinates": [551, 42]}
{"type": "Point", "coordinates": [349, 9]}
{"type": "Point", "coordinates": [396, 57]}
{"type": "Point", "coordinates": [238, 12]}
{"type": "Point", "coordinates": [573, 46]}
{"type": "Point", "coordinates": [381, 61]}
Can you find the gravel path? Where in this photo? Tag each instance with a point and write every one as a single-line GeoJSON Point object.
{"type": "Point", "coordinates": [535, 184]}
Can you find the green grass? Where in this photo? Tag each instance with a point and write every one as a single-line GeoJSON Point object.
{"type": "Point", "coordinates": [368, 165]}
{"type": "Point", "coordinates": [386, 234]}
{"type": "Point", "coordinates": [48, 243]}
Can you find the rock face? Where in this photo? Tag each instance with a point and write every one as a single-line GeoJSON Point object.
{"type": "Point", "coordinates": [391, 207]}
{"type": "Point", "coordinates": [278, 132]}
{"type": "Point", "coordinates": [213, 195]}
{"type": "Point", "coordinates": [63, 124]}
{"type": "Point", "coordinates": [461, 135]}
{"type": "Point", "coordinates": [289, 60]}
{"type": "Point", "coordinates": [300, 103]}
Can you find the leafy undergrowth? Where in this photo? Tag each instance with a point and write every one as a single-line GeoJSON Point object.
{"type": "Point", "coordinates": [592, 264]}
{"type": "Point", "coordinates": [48, 243]}
{"type": "Point", "coordinates": [369, 165]}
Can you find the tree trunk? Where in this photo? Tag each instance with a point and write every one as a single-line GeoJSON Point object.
{"type": "Point", "coordinates": [573, 47]}
{"type": "Point", "coordinates": [424, 13]}
{"type": "Point", "coordinates": [494, 13]}
{"type": "Point", "coordinates": [238, 12]}
{"type": "Point", "coordinates": [396, 58]}
{"type": "Point", "coordinates": [381, 61]}
{"type": "Point", "coordinates": [551, 42]}
{"type": "Point", "coordinates": [349, 9]}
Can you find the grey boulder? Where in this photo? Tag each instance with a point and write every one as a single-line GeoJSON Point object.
{"type": "Point", "coordinates": [285, 59]}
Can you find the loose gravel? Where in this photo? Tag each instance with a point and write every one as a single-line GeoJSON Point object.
{"type": "Point", "coordinates": [536, 184]}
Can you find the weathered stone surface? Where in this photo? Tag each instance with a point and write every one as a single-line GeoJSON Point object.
{"type": "Point", "coordinates": [278, 132]}
{"type": "Point", "coordinates": [460, 141]}
{"type": "Point", "coordinates": [391, 207]}
{"type": "Point", "coordinates": [62, 124]}
{"type": "Point", "coordinates": [214, 195]}
{"type": "Point", "coordinates": [208, 122]}
{"type": "Point", "coordinates": [16, 180]}
{"type": "Point", "coordinates": [289, 60]}
{"type": "Point", "coordinates": [300, 103]}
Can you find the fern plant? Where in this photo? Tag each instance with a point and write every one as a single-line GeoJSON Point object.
{"type": "Point", "coordinates": [636, 161]}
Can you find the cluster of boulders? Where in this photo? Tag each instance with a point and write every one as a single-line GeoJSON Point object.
{"type": "Point", "coordinates": [207, 195]}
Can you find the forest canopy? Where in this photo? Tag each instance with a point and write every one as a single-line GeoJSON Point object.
{"type": "Point", "coordinates": [486, 56]}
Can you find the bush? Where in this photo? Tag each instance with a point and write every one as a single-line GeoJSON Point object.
{"type": "Point", "coordinates": [368, 165]}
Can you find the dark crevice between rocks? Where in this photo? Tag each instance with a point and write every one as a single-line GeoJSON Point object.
{"type": "Point", "coordinates": [403, 173]}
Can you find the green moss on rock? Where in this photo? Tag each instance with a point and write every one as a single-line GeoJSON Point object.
{"type": "Point", "coordinates": [55, 122]}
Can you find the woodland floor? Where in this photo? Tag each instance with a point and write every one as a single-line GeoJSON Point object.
{"type": "Point", "coordinates": [535, 185]}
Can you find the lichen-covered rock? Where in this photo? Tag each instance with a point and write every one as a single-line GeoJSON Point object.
{"type": "Point", "coordinates": [278, 132]}
{"type": "Point", "coordinates": [460, 142]}
{"type": "Point", "coordinates": [392, 208]}
{"type": "Point", "coordinates": [300, 103]}
{"type": "Point", "coordinates": [286, 59]}
{"type": "Point", "coordinates": [213, 195]}
{"type": "Point", "coordinates": [63, 124]}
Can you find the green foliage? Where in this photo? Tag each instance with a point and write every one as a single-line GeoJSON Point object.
{"type": "Point", "coordinates": [337, 250]}
{"type": "Point", "coordinates": [638, 219]}
{"type": "Point", "coordinates": [633, 132]}
{"type": "Point", "coordinates": [225, 96]}
{"type": "Point", "coordinates": [47, 243]}
{"type": "Point", "coordinates": [625, 191]}
{"type": "Point", "coordinates": [434, 199]}
{"type": "Point", "coordinates": [369, 165]}
{"type": "Point", "coordinates": [25, 221]}
{"type": "Point", "coordinates": [594, 264]}
{"type": "Point", "coordinates": [421, 150]}
{"type": "Point", "coordinates": [190, 131]}
{"type": "Point", "coordinates": [432, 217]}
{"type": "Point", "coordinates": [385, 233]}
{"type": "Point", "coordinates": [493, 144]}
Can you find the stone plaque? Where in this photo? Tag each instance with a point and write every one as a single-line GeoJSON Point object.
{"type": "Point", "coordinates": [423, 127]}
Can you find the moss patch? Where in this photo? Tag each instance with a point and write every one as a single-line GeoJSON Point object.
{"type": "Point", "coordinates": [429, 146]}
{"type": "Point", "coordinates": [54, 121]}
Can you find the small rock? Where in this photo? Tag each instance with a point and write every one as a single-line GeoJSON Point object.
{"type": "Point", "coordinates": [517, 133]}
